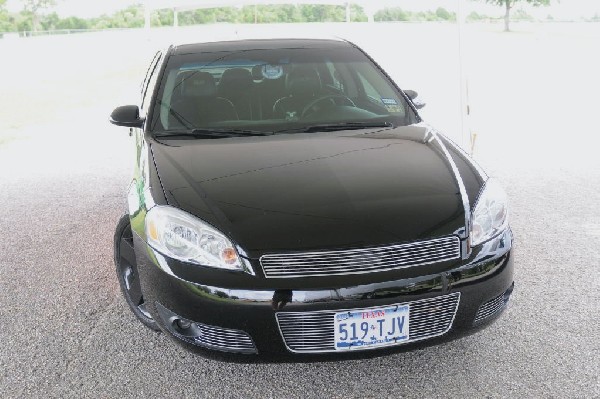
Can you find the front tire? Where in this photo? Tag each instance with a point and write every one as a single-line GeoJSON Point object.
{"type": "Point", "coordinates": [127, 273]}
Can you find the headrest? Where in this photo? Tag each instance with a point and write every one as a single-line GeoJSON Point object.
{"type": "Point", "coordinates": [180, 81]}
{"type": "Point", "coordinates": [199, 84]}
{"type": "Point", "coordinates": [303, 81]}
{"type": "Point", "coordinates": [235, 80]}
{"type": "Point", "coordinates": [257, 72]}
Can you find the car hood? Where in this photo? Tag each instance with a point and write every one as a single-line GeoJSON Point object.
{"type": "Point", "coordinates": [311, 191]}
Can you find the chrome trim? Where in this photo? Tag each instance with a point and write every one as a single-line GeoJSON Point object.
{"type": "Point", "coordinates": [490, 308]}
{"type": "Point", "coordinates": [321, 322]}
{"type": "Point", "coordinates": [482, 175]}
{"type": "Point", "coordinates": [463, 192]}
{"type": "Point", "coordinates": [208, 336]}
{"type": "Point", "coordinates": [224, 339]}
{"type": "Point", "coordinates": [461, 186]}
{"type": "Point", "coordinates": [361, 260]}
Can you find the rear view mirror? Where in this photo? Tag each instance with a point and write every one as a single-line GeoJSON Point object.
{"type": "Point", "coordinates": [416, 100]}
{"type": "Point", "coordinates": [127, 115]}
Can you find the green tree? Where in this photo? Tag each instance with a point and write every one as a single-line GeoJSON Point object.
{"type": "Point", "coordinates": [131, 17]}
{"type": "Point", "coordinates": [508, 5]}
{"type": "Point", "coordinates": [445, 15]}
{"type": "Point", "coordinates": [5, 24]}
{"type": "Point", "coordinates": [393, 14]}
{"type": "Point", "coordinates": [474, 16]}
{"type": "Point", "coordinates": [163, 17]}
{"type": "Point", "coordinates": [34, 7]}
{"type": "Point", "coordinates": [72, 23]}
{"type": "Point", "coordinates": [521, 15]}
{"type": "Point", "coordinates": [49, 21]}
{"type": "Point", "coordinates": [357, 13]}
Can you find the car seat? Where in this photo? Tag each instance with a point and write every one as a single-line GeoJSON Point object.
{"type": "Point", "coordinates": [194, 101]}
{"type": "Point", "coordinates": [237, 86]}
{"type": "Point", "coordinates": [303, 85]}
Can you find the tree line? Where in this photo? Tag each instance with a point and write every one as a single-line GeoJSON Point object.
{"type": "Point", "coordinates": [31, 19]}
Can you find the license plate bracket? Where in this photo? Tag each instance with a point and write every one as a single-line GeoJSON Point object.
{"type": "Point", "coordinates": [372, 327]}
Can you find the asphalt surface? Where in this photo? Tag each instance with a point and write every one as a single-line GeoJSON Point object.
{"type": "Point", "coordinates": [65, 331]}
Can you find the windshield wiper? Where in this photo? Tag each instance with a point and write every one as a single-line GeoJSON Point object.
{"type": "Point", "coordinates": [332, 127]}
{"type": "Point", "coordinates": [206, 133]}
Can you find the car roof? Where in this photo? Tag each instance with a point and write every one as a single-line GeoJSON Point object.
{"type": "Point", "coordinates": [255, 44]}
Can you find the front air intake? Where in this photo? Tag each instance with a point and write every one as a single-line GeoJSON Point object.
{"type": "Point", "coordinates": [361, 260]}
{"type": "Point", "coordinates": [306, 332]}
{"type": "Point", "coordinates": [207, 336]}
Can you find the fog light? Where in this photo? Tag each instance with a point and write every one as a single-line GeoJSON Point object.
{"type": "Point", "coordinates": [182, 324]}
{"type": "Point", "coordinates": [211, 337]}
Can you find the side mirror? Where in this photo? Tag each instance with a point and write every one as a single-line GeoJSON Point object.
{"type": "Point", "coordinates": [127, 115]}
{"type": "Point", "coordinates": [416, 100]}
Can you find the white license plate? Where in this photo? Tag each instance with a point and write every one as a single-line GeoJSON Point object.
{"type": "Point", "coordinates": [373, 327]}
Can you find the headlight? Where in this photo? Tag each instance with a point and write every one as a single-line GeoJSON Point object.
{"type": "Point", "coordinates": [490, 216]}
{"type": "Point", "coordinates": [182, 236]}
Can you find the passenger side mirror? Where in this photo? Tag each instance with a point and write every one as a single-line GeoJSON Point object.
{"type": "Point", "coordinates": [416, 100]}
{"type": "Point", "coordinates": [127, 115]}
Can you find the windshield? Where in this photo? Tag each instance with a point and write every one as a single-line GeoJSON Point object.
{"type": "Point", "coordinates": [275, 91]}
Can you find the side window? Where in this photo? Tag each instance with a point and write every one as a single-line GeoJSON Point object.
{"type": "Point", "coordinates": [150, 79]}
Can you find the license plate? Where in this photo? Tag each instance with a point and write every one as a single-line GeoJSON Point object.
{"type": "Point", "coordinates": [373, 327]}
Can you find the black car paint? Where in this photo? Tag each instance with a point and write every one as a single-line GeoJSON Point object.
{"type": "Point", "coordinates": [298, 192]}
{"type": "Point", "coordinates": [487, 273]}
{"type": "Point", "coordinates": [258, 197]}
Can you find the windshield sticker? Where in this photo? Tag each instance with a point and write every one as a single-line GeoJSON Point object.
{"type": "Point", "coordinates": [272, 71]}
{"type": "Point", "coordinates": [391, 105]}
{"type": "Point", "coordinates": [394, 109]}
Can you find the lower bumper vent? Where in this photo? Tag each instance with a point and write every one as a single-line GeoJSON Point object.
{"type": "Point", "coordinates": [224, 339]}
{"type": "Point", "coordinates": [313, 332]}
{"type": "Point", "coordinates": [493, 306]}
{"type": "Point", "coordinates": [210, 337]}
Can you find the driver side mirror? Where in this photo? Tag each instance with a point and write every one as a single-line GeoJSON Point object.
{"type": "Point", "coordinates": [127, 115]}
{"type": "Point", "coordinates": [416, 100]}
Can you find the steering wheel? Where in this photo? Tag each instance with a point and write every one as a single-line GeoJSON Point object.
{"type": "Point", "coordinates": [309, 108]}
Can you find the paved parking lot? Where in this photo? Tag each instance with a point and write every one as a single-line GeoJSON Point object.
{"type": "Point", "coordinates": [66, 332]}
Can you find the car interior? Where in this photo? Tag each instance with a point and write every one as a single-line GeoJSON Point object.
{"type": "Point", "coordinates": [266, 94]}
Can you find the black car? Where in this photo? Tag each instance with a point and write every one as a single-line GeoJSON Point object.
{"type": "Point", "coordinates": [288, 200]}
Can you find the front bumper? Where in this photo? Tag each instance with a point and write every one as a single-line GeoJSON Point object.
{"type": "Point", "coordinates": [226, 316]}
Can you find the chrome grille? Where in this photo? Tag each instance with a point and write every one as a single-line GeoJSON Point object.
{"type": "Point", "coordinates": [490, 308]}
{"type": "Point", "coordinates": [364, 260]}
{"type": "Point", "coordinates": [224, 339]}
{"type": "Point", "coordinates": [314, 331]}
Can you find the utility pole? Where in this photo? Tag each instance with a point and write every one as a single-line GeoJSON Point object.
{"type": "Point", "coordinates": [146, 15]}
{"type": "Point", "coordinates": [348, 11]}
{"type": "Point", "coordinates": [467, 136]}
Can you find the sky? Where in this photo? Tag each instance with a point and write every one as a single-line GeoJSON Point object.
{"type": "Point", "coordinates": [563, 9]}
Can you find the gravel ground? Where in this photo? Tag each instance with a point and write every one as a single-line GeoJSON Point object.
{"type": "Point", "coordinates": [65, 331]}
